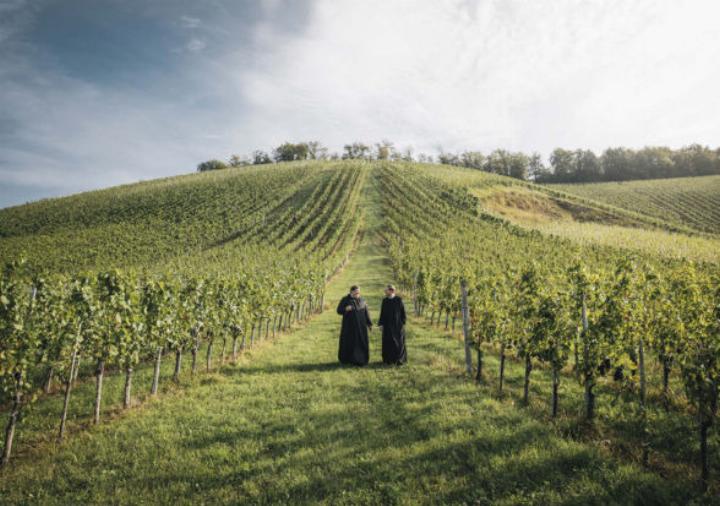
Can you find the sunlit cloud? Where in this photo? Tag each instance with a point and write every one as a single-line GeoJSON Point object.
{"type": "Point", "coordinates": [493, 74]}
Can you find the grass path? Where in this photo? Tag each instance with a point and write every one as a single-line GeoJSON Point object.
{"type": "Point", "coordinates": [290, 425]}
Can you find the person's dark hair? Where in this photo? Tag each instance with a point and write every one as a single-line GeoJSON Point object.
{"type": "Point", "coordinates": [353, 288]}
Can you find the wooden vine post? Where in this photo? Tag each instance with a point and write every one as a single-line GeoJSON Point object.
{"type": "Point", "coordinates": [466, 327]}
{"type": "Point", "coordinates": [589, 378]}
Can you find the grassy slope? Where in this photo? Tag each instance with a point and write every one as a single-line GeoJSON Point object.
{"type": "Point", "coordinates": [146, 223]}
{"type": "Point", "coordinates": [173, 199]}
{"type": "Point", "coordinates": [558, 212]}
{"type": "Point", "coordinates": [485, 185]}
{"type": "Point", "coordinates": [691, 201]}
{"type": "Point", "coordinates": [169, 218]}
{"type": "Point", "coordinates": [289, 424]}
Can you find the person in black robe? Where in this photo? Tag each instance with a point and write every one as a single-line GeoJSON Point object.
{"type": "Point", "coordinates": [354, 347]}
{"type": "Point", "coordinates": [392, 321]}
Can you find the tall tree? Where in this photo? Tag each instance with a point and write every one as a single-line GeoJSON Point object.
{"type": "Point", "coordinates": [587, 166]}
{"type": "Point", "coordinates": [384, 150]}
{"type": "Point", "coordinates": [316, 151]}
{"type": "Point", "coordinates": [211, 165]}
{"type": "Point", "coordinates": [616, 163]}
{"type": "Point", "coordinates": [260, 157]}
{"type": "Point", "coordinates": [563, 165]}
{"type": "Point", "coordinates": [536, 167]}
{"type": "Point", "coordinates": [498, 162]}
{"type": "Point", "coordinates": [472, 159]}
{"type": "Point", "coordinates": [238, 161]}
{"type": "Point", "coordinates": [289, 152]}
{"type": "Point", "coordinates": [356, 150]}
{"type": "Point", "coordinates": [518, 166]}
{"type": "Point", "coordinates": [448, 158]}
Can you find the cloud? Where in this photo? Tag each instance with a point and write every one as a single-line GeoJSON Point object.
{"type": "Point", "coordinates": [220, 77]}
{"type": "Point", "coordinates": [74, 136]}
{"type": "Point", "coordinates": [14, 17]}
{"type": "Point", "coordinates": [195, 45]}
{"type": "Point", "coordinates": [522, 75]}
{"type": "Point", "coordinates": [189, 22]}
{"type": "Point", "coordinates": [63, 131]}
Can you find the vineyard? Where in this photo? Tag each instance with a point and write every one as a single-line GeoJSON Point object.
{"type": "Point", "coordinates": [597, 363]}
{"type": "Point", "coordinates": [693, 201]}
{"type": "Point", "coordinates": [258, 279]}
{"type": "Point", "coordinates": [598, 311]}
{"type": "Point", "coordinates": [552, 211]}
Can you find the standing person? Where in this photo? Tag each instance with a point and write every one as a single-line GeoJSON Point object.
{"type": "Point", "coordinates": [354, 348]}
{"type": "Point", "coordinates": [392, 321]}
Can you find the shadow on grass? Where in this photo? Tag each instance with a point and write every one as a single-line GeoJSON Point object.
{"type": "Point", "coordinates": [500, 457]}
{"type": "Point", "coordinates": [303, 368]}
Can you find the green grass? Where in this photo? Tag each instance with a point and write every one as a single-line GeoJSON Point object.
{"type": "Point", "coordinates": [152, 222]}
{"type": "Point", "coordinates": [619, 215]}
{"type": "Point", "coordinates": [691, 201]}
{"type": "Point", "coordinates": [486, 186]}
{"type": "Point", "coordinates": [290, 425]}
{"type": "Point", "coordinates": [654, 242]}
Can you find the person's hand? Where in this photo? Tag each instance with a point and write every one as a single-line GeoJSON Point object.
{"type": "Point", "coordinates": [348, 308]}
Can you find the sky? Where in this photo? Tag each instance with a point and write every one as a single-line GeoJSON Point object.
{"type": "Point", "coordinates": [95, 93]}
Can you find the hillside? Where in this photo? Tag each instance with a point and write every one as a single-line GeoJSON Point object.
{"type": "Point", "coordinates": [151, 223]}
{"type": "Point", "coordinates": [556, 212]}
{"type": "Point", "coordinates": [690, 201]}
{"type": "Point", "coordinates": [236, 275]}
{"type": "Point", "coordinates": [154, 222]}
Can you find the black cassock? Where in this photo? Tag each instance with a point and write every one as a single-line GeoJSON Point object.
{"type": "Point", "coordinates": [392, 320]}
{"type": "Point", "coordinates": [354, 347]}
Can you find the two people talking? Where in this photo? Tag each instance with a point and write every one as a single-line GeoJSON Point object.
{"type": "Point", "coordinates": [356, 322]}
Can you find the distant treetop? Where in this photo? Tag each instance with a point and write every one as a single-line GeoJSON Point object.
{"type": "Point", "coordinates": [565, 166]}
{"type": "Point", "coordinates": [623, 164]}
{"type": "Point", "coordinates": [211, 165]}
